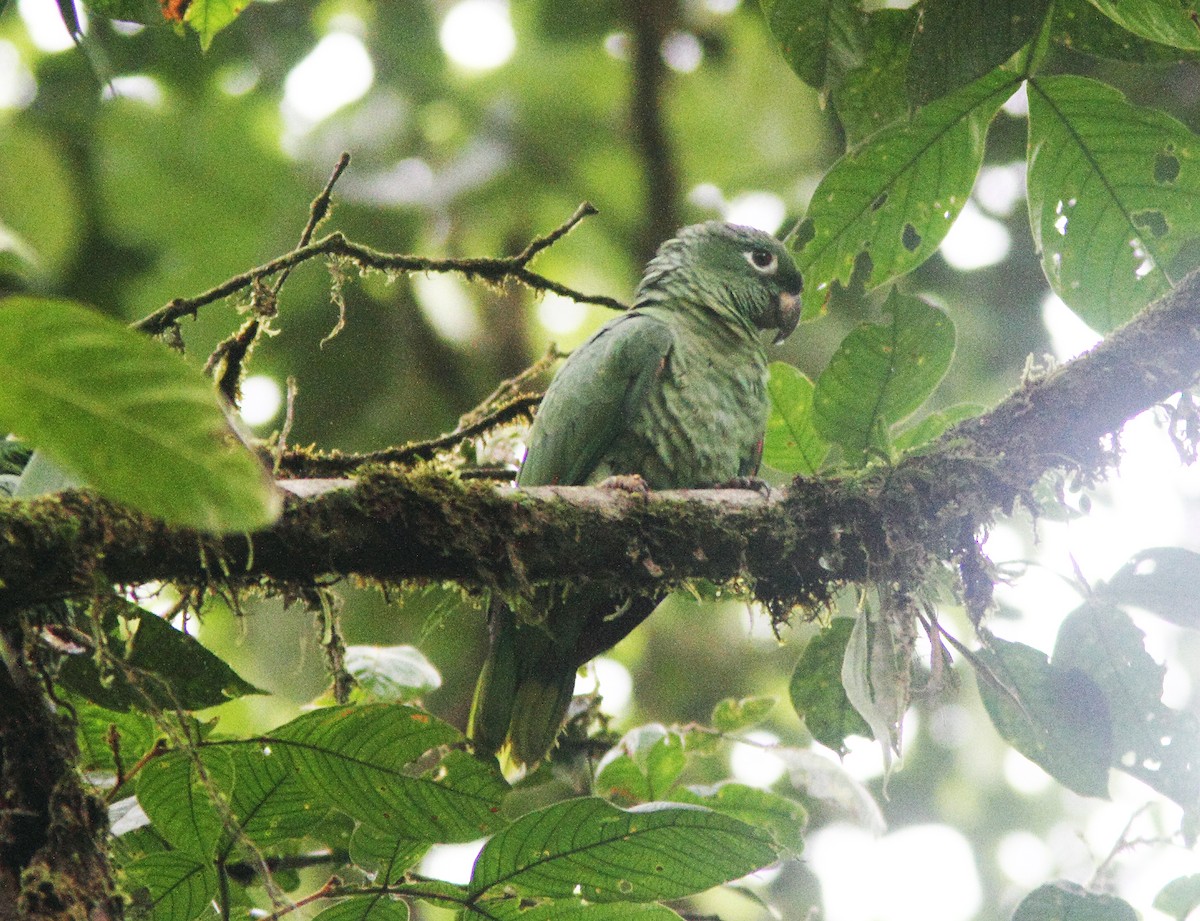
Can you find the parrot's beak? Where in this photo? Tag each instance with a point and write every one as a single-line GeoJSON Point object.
{"type": "Point", "coordinates": [788, 315]}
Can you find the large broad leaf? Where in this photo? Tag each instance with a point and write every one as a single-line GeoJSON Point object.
{"type": "Point", "coordinates": [1081, 27]}
{"type": "Point", "coordinates": [643, 766]}
{"type": "Point", "coordinates": [792, 444]}
{"type": "Point", "coordinates": [366, 908]}
{"type": "Point", "coordinates": [148, 663]}
{"type": "Point", "coordinates": [1179, 897]}
{"type": "Point", "coordinates": [179, 799]}
{"type": "Point", "coordinates": [128, 416]}
{"type": "Point", "coordinates": [371, 763]}
{"type": "Point", "coordinates": [567, 910]}
{"type": "Point", "coordinates": [886, 205]}
{"type": "Point", "coordinates": [1154, 743]}
{"type": "Point", "coordinates": [1168, 22]}
{"type": "Point", "coordinates": [1056, 717]}
{"type": "Point", "coordinates": [816, 36]}
{"type": "Point", "coordinates": [1161, 580]}
{"type": "Point", "coordinates": [871, 94]}
{"type": "Point", "coordinates": [1114, 197]}
{"type": "Point", "coordinates": [591, 848]}
{"type": "Point", "coordinates": [816, 689]}
{"type": "Point", "coordinates": [208, 17]}
{"type": "Point", "coordinates": [386, 857]}
{"type": "Point", "coordinates": [269, 802]}
{"type": "Point", "coordinates": [961, 40]}
{"type": "Point", "coordinates": [880, 374]}
{"type": "Point", "coordinates": [179, 886]}
{"type": "Point", "coordinates": [39, 211]}
{"type": "Point", "coordinates": [1066, 901]}
{"type": "Point", "coordinates": [783, 818]}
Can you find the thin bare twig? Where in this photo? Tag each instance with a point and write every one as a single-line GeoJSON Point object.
{"type": "Point", "coordinates": [491, 270]}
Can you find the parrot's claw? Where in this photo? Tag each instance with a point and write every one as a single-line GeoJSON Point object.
{"type": "Point", "coordinates": [627, 482]}
{"type": "Point", "coordinates": [762, 487]}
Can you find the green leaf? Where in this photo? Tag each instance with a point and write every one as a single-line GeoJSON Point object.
{"type": "Point", "coordinates": [366, 908]}
{"type": "Point", "coordinates": [958, 42]}
{"type": "Point", "coordinates": [400, 673]}
{"type": "Point", "coordinates": [147, 12]}
{"type": "Point", "coordinates": [208, 17]}
{"type": "Point", "coordinates": [644, 765]}
{"type": "Point", "coordinates": [815, 35]}
{"type": "Point", "coordinates": [657, 851]}
{"type": "Point", "coordinates": [40, 212]}
{"type": "Point", "coordinates": [791, 444]}
{"type": "Point", "coordinates": [890, 201]}
{"type": "Point", "coordinates": [148, 663]}
{"type": "Point", "coordinates": [817, 692]}
{"type": "Point", "coordinates": [179, 801]}
{"type": "Point", "coordinates": [1179, 897]}
{"type": "Point", "coordinates": [1168, 22]}
{"type": "Point", "coordinates": [871, 93]}
{"type": "Point", "coordinates": [1161, 580]}
{"type": "Point", "coordinates": [136, 732]}
{"type": "Point", "coordinates": [180, 886]}
{"type": "Point", "coordinates": [1056, 717]}
{"type": "Point", "coordinates": [1078, 25]}
{"type": "Point", "coordinates": [361, 760]}
{"type": "Point", "coordinates": [1065, 901]}
{"type": "Point", "coordinates": [880, 374]}
{"type": "Point", "coordinates": [933, 425]}
{"type": "Point", "coordinates": [783, 818]}
{"type": "Point", "coordinates": [385, 856]}
{"type": "Point", "coordinates": [128, 416]}
{"type": "Point", "coordinates": [269, 801]}
{"type": "Point", "coordinates": [569, 910]}
{"type": "Point", "coordinates": [732, 714]}
{"type": "Point", "coordinates": [1114, 197]}
{"type": "Point", "coordinates": [1157, 745]}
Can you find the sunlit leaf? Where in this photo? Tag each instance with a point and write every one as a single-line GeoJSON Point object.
{"type": "Point", "coordinates": [889, 202]}
{"type": "Point", "coordinates": [1056, 717]}
{"type": "Point", "coordinates": [1114, 197]}
{"type": "Point", "coordinates": [643, 766]}
{"type": "Point", "coordinates": [180, 800]}
{"type": "Point", "coordinates": [792, 444]}
{"type": "Point", "coordinates": [568, 910]}
{"type": "Point", "coordinates": [1066, 901]}
{"type": "Point", "coordinates": [817, 692]}
{"type": "Point", "coordinates": [128, 416]}
{"type": "Point", "coordinates": [361, 760]}
{"type": "Point", "coordinates": [958, 42]}
{"type": "Point", "coordinates": [400, 673]}
{"type": "Point", "coordinates": [733, 714]}
{"type": "Point", "coordinates": [881, 373]}
{"type": "Point", "coordinates": [1168, 22]}
{"type": "Point", "coordinates": [652, 852]}
{"type": "Point", "coordinates": [783, 818]}
{"type": "Point", "coordinates": [366, 908]}
{"type": "Point", "coordinates": [208, 17]}
{"type": "Point", "coordinates": [269, 801]}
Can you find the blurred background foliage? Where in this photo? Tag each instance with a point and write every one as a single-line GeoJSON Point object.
{"type": "Point", "coordinates": [141, 169]}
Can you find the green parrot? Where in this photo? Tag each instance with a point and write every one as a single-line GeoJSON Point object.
{"type": "Point", "coordinates": [673, 391]}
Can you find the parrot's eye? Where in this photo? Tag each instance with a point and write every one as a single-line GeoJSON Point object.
{"type": "Point", "coordinates": [762, 260]}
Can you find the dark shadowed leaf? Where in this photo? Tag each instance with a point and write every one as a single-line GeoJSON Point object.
{"type": "Point", "coordinates": [871, 94]}
{"type": "Point", "coordinates": [816, 35]}
{"type": "Point", "coordinates": [1065, 901]}
{"type": "Point", "coordinates": [179, 799]}
{"type": "Point", "coordinates": [817, 692]}
{"type": "Point", "coordinates": [180, 887]}
{"type": "Point", "coordinates": [128, 416]}
{"type": "Point", "coordinates": [1081, 27]}
{"type": "Point", "coordinates": [1056, 717]}
{"type": "Point", "coordinates": [366, 908]}
{"type": "Point", "coordinates": [1162, 580]}
{"type": "Point", "coordinates": [657, 851]}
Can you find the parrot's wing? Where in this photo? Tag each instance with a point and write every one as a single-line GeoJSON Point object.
{"type": "Point", "coordinates": [592, 399]}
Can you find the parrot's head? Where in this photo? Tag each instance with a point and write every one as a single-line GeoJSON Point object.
{"type": "Point", "coordinates": [745, 275]}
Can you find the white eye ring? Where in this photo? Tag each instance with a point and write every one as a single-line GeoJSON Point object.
{"type": "Point", "coordinates": [762, 260]}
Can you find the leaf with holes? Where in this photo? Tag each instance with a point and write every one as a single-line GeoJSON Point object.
{"type": "Point", "coordinates": [1114, 197]}
{"type": "Point", "coordinates": [1080, 26]}
{"type": "Point", "coordinates": [1156, 744]}
{"type": "Point", "coordinates": [884, 208]}
{"type": "Point", "coordinates": [128, 416]}
{"type": "Point", "coordinates": [380, 764]}
{"type": "Point", "coordinates": [1168, 22]}
{"type": "Point", "coordinates": [1161, 580]}
{"type": "Point", "coordinates": [880, 374]}
{"type": "Point", "coordinates": [591, 848]}
{"type": "Point", "coordinates": [792, 444]}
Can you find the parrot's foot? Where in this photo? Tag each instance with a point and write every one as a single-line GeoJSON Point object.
{"type": "Point", "coordinates": [748, 482]}
{"type": "Point", "coordinates": [627, 482]}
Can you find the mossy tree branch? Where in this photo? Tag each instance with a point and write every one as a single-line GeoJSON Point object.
{"type": "Point", "coordinates": [797, 545]}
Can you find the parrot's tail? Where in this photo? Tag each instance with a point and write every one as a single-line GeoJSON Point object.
{"type": "Point", "coordinates": [538, 713]}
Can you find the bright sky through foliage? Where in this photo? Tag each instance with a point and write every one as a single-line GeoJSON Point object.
{"type": "Point", "coordinates": [45, 25]}
{"type": "Point", "coordinates": [478, 34]}
{"type": "Point", "coordinates": [262, 398]}
{"type": "Point", "coordinates": [337, 72]}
